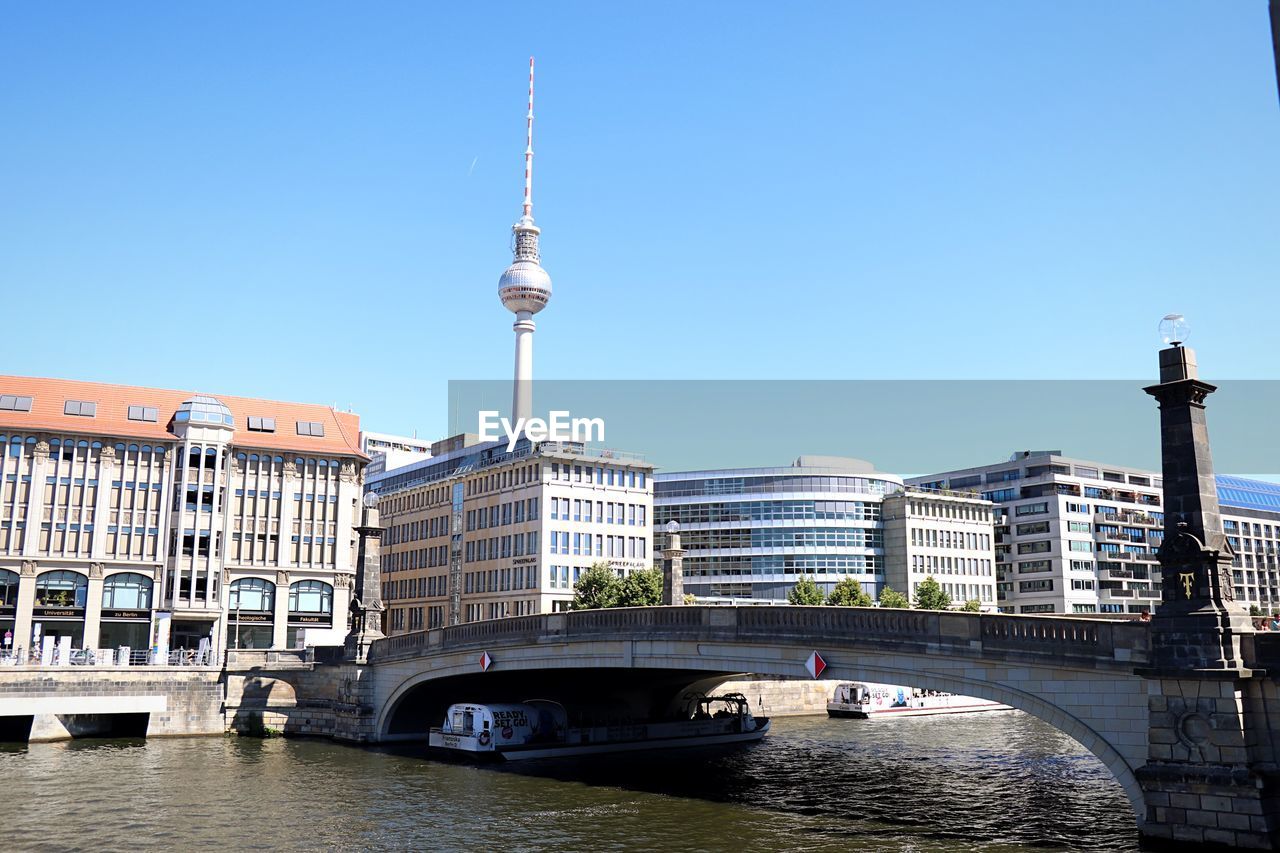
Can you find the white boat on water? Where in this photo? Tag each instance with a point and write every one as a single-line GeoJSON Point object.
{"type": "Point", "coordinates": [539, 729]}
{"type": "Point", "coordinates": [873, 701]}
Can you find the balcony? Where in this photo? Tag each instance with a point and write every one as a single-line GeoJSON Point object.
{"type": "Point", "coordinates": [1116, 555]}
{"type": "Point", "coordinates": [1107, 573]}
{"type": "Point", "coordinates": [1117, 593]}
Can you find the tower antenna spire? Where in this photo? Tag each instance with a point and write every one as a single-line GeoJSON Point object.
{"type": "Point", "coordinates": [528, 151]}
{"type": "Point", "coordinates": [525, 287]}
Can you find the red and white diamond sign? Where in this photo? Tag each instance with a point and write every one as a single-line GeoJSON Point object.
{"type": "Point", "coordinates": [486, 661]}
{"type": "Point", "coordinates": [815, 664]}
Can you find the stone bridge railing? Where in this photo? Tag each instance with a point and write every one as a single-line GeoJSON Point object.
{"type": "Point", "coordinates": [1090, 643]}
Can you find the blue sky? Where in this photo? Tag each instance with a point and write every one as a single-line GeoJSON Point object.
{"type": "Point", "coordinates": [313, 201]}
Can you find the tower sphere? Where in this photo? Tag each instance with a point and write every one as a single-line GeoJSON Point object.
{"type": "Point", "coordinates": [525, 286]}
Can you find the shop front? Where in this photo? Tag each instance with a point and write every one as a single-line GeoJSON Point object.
{"type": "Point", "coordinates": [251, 614]}
{"type": "Point", "coordinates": [60, 605]}
{"type": "Point", "coordinates": [126, 611]}
{"type": "Point", "coordinates": [8, 609]}
{"type": "Point", "coordinates": [310, 607]}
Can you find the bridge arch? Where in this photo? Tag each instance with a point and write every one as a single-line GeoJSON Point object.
{"type": "Point", "coordinates": [1074, 675]}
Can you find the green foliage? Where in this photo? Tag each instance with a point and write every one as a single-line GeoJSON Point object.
{"type": "Point", "coordinates": [597, 587]}
{"type": "Point", "coordinates": [849, 593]}
{"type": "Point", "coordinates": [931, 596]}
{"type": "Point", "coordinates": [1254, 610]}
{"type": "Point", "coordinates": [973, 605]}
{"type": "Point", "coordinates": [805, 592]}
{"type": "Point", "coordinates": [641, 588]}
{"type": "Point", "coordinates": [892, 598]}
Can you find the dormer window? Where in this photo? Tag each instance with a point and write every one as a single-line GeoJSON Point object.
{"type": "Point", "coordinates": [12, 403]}
{"type": "Point", "coordinates": [149, 414]}
{"type": "Point", "coordinates": [314, 428]}
{"type": "Point", "coordinates": [80, 408]}
{"type": "Point", "coordinates": [262, 424]}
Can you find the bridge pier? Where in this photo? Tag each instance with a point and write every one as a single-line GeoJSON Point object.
{"type": "Point", "coordinates": [1210, 778]}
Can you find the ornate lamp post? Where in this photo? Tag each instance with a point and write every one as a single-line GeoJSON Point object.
{"type": "Point", "coordinates": [366, 603]}
{"type": "Point", "coordinates": [673, 570]}
{"type": "Point", "coordinates": [1198, 624]}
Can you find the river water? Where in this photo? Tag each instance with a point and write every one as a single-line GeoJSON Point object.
{"type": "Point", "coordinates": [989, 782]}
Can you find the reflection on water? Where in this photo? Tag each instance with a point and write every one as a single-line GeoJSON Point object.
{"type": "Point", "coordinates": [991, 782]}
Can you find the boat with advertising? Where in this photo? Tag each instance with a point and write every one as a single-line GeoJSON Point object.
{"type": "Point", "coordinates": [538, 728]}
{"type": "Point", "coordinates": [875, 701]}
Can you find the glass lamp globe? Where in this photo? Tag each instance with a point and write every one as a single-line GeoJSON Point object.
{"type": "Point", "coordinates": [1174, 329]}
{"type": "Point", "coordinates": [371, 499]}
{"type": "Point", "coordinates": [673, 526]}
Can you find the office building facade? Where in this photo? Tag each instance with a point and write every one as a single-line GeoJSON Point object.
{"type": "Point", "coordinates": [123, 508]}
{"type": "Point", "coordinates": [478, 532]}
{"type": "Point", "coordinates": [751, 533]}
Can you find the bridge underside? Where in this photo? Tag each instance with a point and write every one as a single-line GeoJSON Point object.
{"type": "Point", "coordinates": [604, 694]}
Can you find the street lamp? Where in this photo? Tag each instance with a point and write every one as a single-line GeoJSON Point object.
{"type": "Point", "coordinates": [1174, 330]}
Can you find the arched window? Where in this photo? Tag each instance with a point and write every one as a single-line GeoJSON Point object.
{"type": "Point", "coordinates": [8, 588]}
{"type": "Point", "coordinates": [61, 589]}
{"type": "Point", "coordinates": [126, 591]}
{"type": "Point", "coordinates": [252, 594]}
{"type": "Point", "coordinates": [311, 597]}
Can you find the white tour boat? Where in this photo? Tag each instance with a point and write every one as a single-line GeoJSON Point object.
{"type": "Point", "coordinates": [539, 729]}
{"type": "Point", "coordinates": [874, 701]}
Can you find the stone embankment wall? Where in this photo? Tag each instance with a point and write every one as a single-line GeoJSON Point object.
{"type": "Point", "coordinates": [779, 697]}
{"type": "Point", "coordinates": [82, 701]}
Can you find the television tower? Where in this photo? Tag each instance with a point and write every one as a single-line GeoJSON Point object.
{"type": "Point", "coordinates": [525, 287]}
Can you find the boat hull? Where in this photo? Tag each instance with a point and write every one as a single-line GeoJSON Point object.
{"type": "Point", "coordinates": [470, 747]}
{"type": "Point", "coordinates": [860, 712]}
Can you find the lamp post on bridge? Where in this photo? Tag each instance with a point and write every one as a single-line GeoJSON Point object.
{"type": "Point", "coordinates": [1198, 625]}
{"type": "Point", "coordinates": [366, 603]}
{"type": "Point", "coordinates": [673, 566]}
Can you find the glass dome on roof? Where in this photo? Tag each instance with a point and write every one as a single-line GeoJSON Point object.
{"type": "Point", "coordinates": [204, 410]}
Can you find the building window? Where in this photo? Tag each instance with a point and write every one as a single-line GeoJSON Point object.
{"type": "Point", "coordinates": [310, 597]}
{"type": "Point", "coordinates": [252, 594]}
{"type": "Point", "coordinates": [314, 428]}
{"type": "Point", "coordinates": [149, 414]}
{"type": "Point", "coordinates": [126, 591]}
{"type": "Point", "coordinates": [11, 403]}
{"type": "Point", "coordinates": [269, 425]}
{"type": "Point", "coordinates": [80, 408]}
{"type": "Point", "coordinates": [61, 589]}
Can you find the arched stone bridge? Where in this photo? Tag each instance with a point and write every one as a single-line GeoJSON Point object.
{"type": "Point", "coordinates": [1076, 674]}
{"type": "Point", "coordinates": [1195, 751]}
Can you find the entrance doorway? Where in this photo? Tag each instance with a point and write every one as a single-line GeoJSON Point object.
{"type": "Point", "coordinates": [188, 634]}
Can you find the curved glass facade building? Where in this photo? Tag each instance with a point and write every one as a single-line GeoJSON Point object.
{"type": "Point", "coordinates": [752, 532]}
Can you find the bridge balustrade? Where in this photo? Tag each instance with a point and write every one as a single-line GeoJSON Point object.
{"type": "Point", "coordinates": [970, 634]}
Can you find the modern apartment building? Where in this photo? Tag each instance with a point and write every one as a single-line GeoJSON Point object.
{"type": "Point", "coordinates": [1078, 536]}
{"type": "Point", "coordinates": [478, 532]}
{"type": "Point", "coordinates": [126, 508]}
{"type": "Point", "coordinates": [752, 532]}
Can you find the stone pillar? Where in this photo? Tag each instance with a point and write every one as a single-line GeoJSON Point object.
{"type": "Point", "coordinates": [1209, 780]}
{"type": "Point", "coordinates": [35, 499]}
{"type": "Point", "coordinates": [280, 618]}
{"type": "Point", "coordinates": [1198, 625]}
{"type": "Point", "coordinates": [102, 505]}
{"type": "Point", "coordinates": [673, 567]}
{"type": "Point", "coordinates": [366, 603]}
{"type": "Point", "coordinates": [22, 622]}
{"type": "Point", "coordinates": [93, 607]}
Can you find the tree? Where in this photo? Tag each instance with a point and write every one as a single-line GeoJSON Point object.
{"type": "Point", "coordinates": [1254, 610]}
{"type": "Point", "coordinates": [973, 605]}
{"type": "Point", "coordinates": [849, 593]}
{"type": "Point", "coordinates": [641, 588]}
{"type": "Point", "coordinates": [597, 587]}
{"type": "Point", "coordinates": [931, 596]}
{"type": "Point", "coordinates": [892, 598]}
{"type": "Point", "coordinates": [805, 592]}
